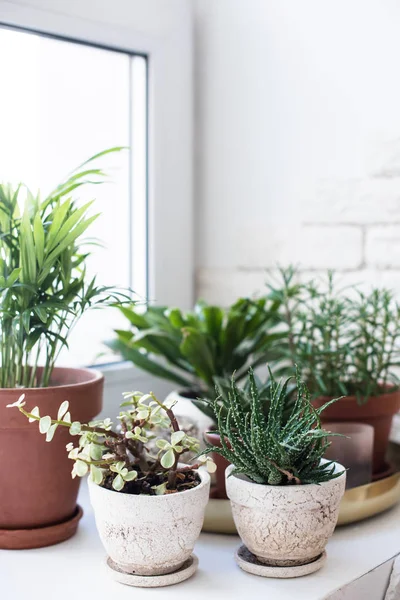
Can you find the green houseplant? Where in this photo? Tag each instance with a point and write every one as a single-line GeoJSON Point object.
{"type": "Point", "coordinates": [43, 292]}
{"type": "Point", "coordinates": [137, 482]}
{"type": "Point", "coordinates": [284, 496]}
{"type": "Point", "coordinates": [197, 349]}
{"type": "Point", "coordinates": [346, 343]}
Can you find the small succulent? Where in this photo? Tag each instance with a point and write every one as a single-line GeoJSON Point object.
{"type": "Point", "coordinates": [120, 459]}
{"type": "Point", "coordinates": [277, 446]}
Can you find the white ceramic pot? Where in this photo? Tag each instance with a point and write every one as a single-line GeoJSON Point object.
{"type": "Point", "coordinates": [285, 525]}
{"type": "Point", "coordinates": [150, 535]}
{"type": "Point", "coordinates": [191, 414]}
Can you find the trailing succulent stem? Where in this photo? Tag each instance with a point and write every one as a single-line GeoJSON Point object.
{"type": "Point", "coordinates": [122, 459]}
{"type": "Point", "coordinates": [276, 446]}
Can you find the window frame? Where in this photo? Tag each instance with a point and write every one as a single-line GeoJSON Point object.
{"type": "Point", "coordinates": [168, 49]}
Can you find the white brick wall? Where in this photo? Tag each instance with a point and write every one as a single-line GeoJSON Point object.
{"type": "Point", "coordinates": [297, 142]}
{"type": "Point", "coordinates": [352, 227]}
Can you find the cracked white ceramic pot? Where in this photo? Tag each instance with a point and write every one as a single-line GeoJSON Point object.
{"type": "Point", "coordinates": [150, 535]}
{"type": "Point", "coordinates": [285, 525]}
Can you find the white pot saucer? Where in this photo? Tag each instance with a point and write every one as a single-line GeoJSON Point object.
{"type": "Point", "coordinates": [188, 569]}
{"type": "Point", "coordinates": [248, 562]}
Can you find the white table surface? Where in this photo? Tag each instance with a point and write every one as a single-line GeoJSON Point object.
{"type": "Point", "coordinates": [75, 569]}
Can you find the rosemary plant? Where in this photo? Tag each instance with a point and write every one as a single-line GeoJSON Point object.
{"type": "Point", "coordinates": [120, 460]}
{"type": "Point", "coordinates": [280, 447]}
{"type": "Point", "coordinates": [345, 341]}
{"type": "Point", "coordinates": [43, 286]}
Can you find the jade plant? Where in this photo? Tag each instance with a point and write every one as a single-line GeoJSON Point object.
{"type": "Point", "coordinates": [279, 447]}
{"type": "Point", "coordinates": [195, 348]}
{"type": "Point", "coordinates": [120, 459]}
{"type": "Point", "coordinates": [345, 341]}
{"type": "Point", "coordinates": [43, 285]}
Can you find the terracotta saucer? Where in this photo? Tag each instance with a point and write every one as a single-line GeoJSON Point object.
{"type": "Point", "coordinates": [248, 562]}
{"type": "Point", "coordinates": [188, 568]}
{"type": "Point", "coordinates": [39, 537]}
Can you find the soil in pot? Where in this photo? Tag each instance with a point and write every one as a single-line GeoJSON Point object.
{"type": "Point", "coordinates": [37, 490]}
{"type": "Point", "coordinates": [378, 411]}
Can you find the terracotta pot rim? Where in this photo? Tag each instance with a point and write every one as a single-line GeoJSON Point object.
{"type": "Point", "coordinates": [94, 375]}
{"type": "Point", "coordinates": [288, 489]}
{"type": "Point", "coordinates": [390, 392]}
{"type": "Point", "coordinates": [204, 480]}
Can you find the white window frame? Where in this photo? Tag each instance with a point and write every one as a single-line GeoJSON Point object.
{"type": "Point", "coordinates": [163, 32]}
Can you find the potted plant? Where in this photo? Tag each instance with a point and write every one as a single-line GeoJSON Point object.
{"type": "Point", "coordinates": [346, 343]}
{"type": "Point", "coordinates": [199, 348]}
{"type": "Point", "coordinates": [222, 402]}
{"type": "Point", "coordinates": [43, 292]}
{"type": "Point", "coordinates": [284, 496]}
{"type": "Point", "coordinates": [149, 507]}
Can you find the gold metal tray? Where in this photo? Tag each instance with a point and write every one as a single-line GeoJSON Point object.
{"type": "Point", "coordinates": [357, 504]}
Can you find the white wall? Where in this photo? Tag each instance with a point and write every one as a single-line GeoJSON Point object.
{"type": "Point", "coordinates": [298, 140]}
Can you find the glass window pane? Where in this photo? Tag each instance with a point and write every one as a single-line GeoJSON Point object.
{"type": "Point", "coordinates": [64, 102]}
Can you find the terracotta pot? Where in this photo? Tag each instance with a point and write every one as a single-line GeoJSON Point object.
{"type": "Point", "coordinates": [150, 535]}
{"type": "Point", "coordinates": [218, 487]}
{"type": "Point", "coordinates": [37, 490]}
{"type": "Point", "coordinates": [378, 411]}
{"type": "Point", "coordinates": [285, 525]}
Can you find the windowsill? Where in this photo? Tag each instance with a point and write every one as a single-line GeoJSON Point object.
{"type": "Point", "coordinates": [79, 564]}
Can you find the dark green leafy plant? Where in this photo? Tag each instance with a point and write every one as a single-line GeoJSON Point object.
{"type": "Point", "coordinates": [345, 341]}
{"type": "Point", "coordinates": [195, 348]}
{"type": "Point", "coordinates": [278, 448]}
{"type": "Point", "coordinates": [43, 286]}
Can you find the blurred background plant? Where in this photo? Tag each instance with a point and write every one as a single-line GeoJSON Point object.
{"type": "Point", "coordinates": [345, 341]}
{"type": "Point", "coordinates": [43, 285]}
{"type": "Point", "coordinates": [198, 348]}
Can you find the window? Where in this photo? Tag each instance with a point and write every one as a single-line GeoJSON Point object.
{"type": "Point", "coordinates": [62, 102]}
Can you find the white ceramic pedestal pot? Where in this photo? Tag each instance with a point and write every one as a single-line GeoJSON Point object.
{"type": "Point", "coordinates": [150, 535]}
{"type": "Point", "coordinates": [285, 525]}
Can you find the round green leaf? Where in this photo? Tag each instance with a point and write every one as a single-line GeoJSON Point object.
{"type": "Point", "coordinates": [35, 413]}
{"type": "Point", "coordinates": [96, 474]}
{"type": "Point", "coordinates": [44, 424]}
{"type": "Point", "coordinates": [50, 432]}
{"type": "Point", "coordinates": [168, 459]}
{"type": "Point", "coordinates": [75, 428]}
{"type": "Point", "coordinates": [62, 410]}
{"type": "Point", "coordinates": [118, 483]}
{"type": "Point", "coordinates": [177, 437]}
{"type": "Point", "coordinates": [81, 468]}
{"type": "Point", "coordinates": [130, 476]}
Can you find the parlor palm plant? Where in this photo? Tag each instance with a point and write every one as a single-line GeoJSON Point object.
{"type": "Point", "coordinates": [43, 292]}
{"type": "Point", "coordinates": [43, 285]}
